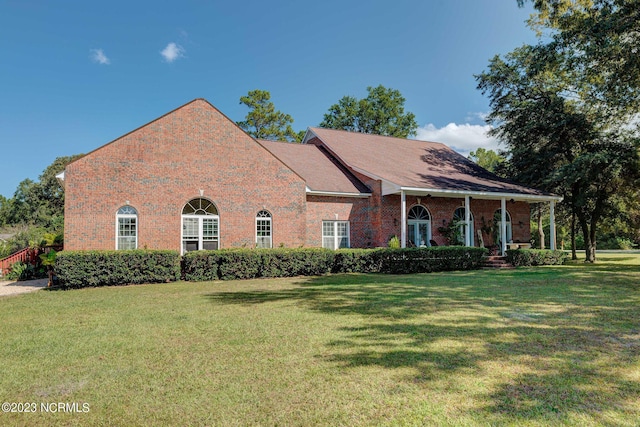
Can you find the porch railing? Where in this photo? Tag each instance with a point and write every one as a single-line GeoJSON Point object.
{"type": "Point", "coordinates": [26, 255]}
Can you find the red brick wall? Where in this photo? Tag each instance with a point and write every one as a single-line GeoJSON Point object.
{"type": "Point", "coordinates": [160, 167]}
{"type": "Point", "coordinates": [354, 210]}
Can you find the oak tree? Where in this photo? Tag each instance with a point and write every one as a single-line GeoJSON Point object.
{"type": "Point", "coordinates": [380, 113]}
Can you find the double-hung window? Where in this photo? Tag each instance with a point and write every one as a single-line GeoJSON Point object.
{"type": "Point", "coordinates": [335, 234]}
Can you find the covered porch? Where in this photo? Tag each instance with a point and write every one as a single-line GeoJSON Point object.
{"type": "Point", "coordinates": [503, 201]}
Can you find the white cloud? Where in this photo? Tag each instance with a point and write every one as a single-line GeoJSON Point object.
{"type": "Point", "coordinates": [97, 55]}
{"type": "Point", "coordinates": [463, 138]}
{"type": "Point", "coordinates": [172, 52]}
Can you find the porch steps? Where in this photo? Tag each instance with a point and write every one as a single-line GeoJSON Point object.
{"type": "Point", "coordinates": [496, 262]}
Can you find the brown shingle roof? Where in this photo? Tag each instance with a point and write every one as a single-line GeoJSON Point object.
{"type": "Point", "coordinates": [321, 172]}
{"type": "Point", "coordinates": [415, 164]}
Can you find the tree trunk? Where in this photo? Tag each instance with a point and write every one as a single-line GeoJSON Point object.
{"type": "Point", "coordinates": [591, 256]}
{"type": "Point", "coordinates": [540, 229]}
{"type": "Point", "coordinates": [589, 243]}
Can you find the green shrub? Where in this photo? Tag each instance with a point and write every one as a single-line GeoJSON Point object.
{"type": "Point", "coordinates": [239, 264]}
{"type": "Point", "coordinates": [78, 269]}
{"type": "Point", "coordinates": [427, 260]}
{"type": "Point", "coordinates": [532, 257]}
{"type": "Point", "coordinates": [229, 264]}
{"type": "Point", "coordinates": [20, 271]}
{"type": "Point", "coordinates": [357, 261]}
{"type": "Point", "coordinates": [98, 268]}
{"type": "Point", "coordinates": [199, 266]}
{"type": "Point", "coordinates": [296, 262]}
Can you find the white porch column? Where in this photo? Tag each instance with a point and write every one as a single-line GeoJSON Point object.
{"type": "Point", "coordinates": [503, 226]}
{"type": "Point", "coordinates": [403, 221]}
{"type": "Point", "coordinates": [552, 226]}
{"type": "Point", "coordinates": [467, 221]}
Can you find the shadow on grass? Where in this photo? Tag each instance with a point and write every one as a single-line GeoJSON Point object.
{"type": "Point", "coordinates": [569, 328]}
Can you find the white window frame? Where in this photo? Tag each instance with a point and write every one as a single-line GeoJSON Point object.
{"type": "Point", "coordinates": [337, 238]}
{"type": "Point", "coordinates": [126, 213]}
{"type": "Point", "coordinates": [200, 215]}
{"type": "Point", "coordinates": [263, 218]}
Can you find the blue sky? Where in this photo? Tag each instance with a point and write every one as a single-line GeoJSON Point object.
{"type": "Point", "coordinates": [74, 75]}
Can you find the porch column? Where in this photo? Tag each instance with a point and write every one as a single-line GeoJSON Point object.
{"type": "Point", "coordinates": [403, 221]}
{"type": "Point", "coordinates": [552, 226]}
{"type": "Point", "coordinates": [503, 226]}
{"type": "Point", "coordinates": [467, 221]}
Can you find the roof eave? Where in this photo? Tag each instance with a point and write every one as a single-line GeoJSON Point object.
{"type": "Point", "coordinates": [311, 192]}
{"type": "Point", "coordinates": [485, 195]}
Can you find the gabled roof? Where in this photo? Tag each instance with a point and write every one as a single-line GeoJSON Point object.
{"type": "Point", "coordinates": [322, 173]}
{"type": "Point", "coordinates": [419, 167]}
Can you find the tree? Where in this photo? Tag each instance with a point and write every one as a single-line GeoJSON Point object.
{"type": "Point", "coordinates": [556, 140]}
{"type": "Point", "coordinates": [264, 121]}
{"type": "Point", "coordinates": [603, 38]}
{"type": "Point", "coordinates": [38, 203]}
{"type": "Point", "coordinates": [488, 159]}
{"type": "Point", "coordinates": [381, 113]}
{"type": "Point", "coordinates": [5, 209]}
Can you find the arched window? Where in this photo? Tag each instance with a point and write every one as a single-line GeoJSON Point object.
{"type": "Point", "coordinates": [459, 220]}
{"type": "Point", "coordinates": [200, 226]}
{"type": "Point", "coordinates": [497, 219]}
{"type": "Point", "coordinates": [263, 230]}
{"type": "Point", "coordinates": [126, 228]}
{"type": "Point", "coordinates": [418, 226]}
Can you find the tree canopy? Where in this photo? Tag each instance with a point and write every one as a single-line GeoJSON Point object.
{"type": "Point", "coordinates": [381, 113]}
{"type": "Point", "coordinates": [488, 159]}
{"type": "Point", "coordinates": [263, 121]}
{"type": "Point", "coordinates": [558, 137]}
{"type": "Point", "coordinates": [601, 42]}
{"type": "Point", "coordinates": [38, 203]}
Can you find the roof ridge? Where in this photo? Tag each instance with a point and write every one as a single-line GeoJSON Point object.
{"type": "Point", "coordinates": [377, 135]}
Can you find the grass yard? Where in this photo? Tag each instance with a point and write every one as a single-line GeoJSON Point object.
{"type": "Point", "coordinates": [532, 346]}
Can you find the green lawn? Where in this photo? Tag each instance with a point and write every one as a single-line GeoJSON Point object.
{"type": "Point", "coordinates": [532, 346]}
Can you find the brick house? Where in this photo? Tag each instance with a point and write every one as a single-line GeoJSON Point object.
{"type": "Point", "coordinates": [192, 179]}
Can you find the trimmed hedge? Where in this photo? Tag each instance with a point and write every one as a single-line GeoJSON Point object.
{"type": "Point", "coordinates": [99, 268]}
{"type": "Point", "coordinates": [296, 262]}
{"type": "Point", "coordinates": [532, 257]}
{"type": "Point", "coordinates": [79, 269]}
{"type": "Point", "coordinates": [357, 261]}
{"type": "Point", "coordinates": [427, 260]}
{"type": "Point", "coordinates": [228, 264]}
